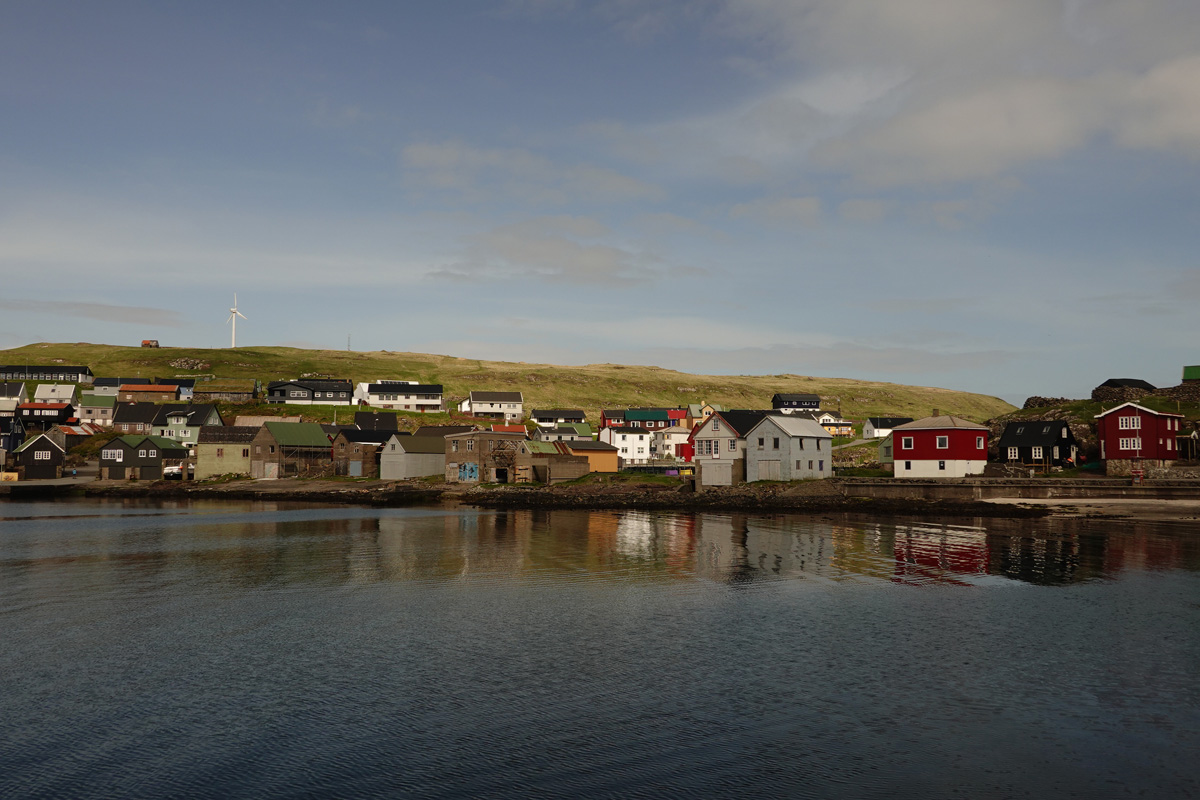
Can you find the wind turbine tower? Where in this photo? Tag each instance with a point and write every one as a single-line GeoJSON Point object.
{"type": "Point", "coordinates": [233, 315]}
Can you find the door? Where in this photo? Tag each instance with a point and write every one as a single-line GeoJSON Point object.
{"type": "Point", "coordinates": [271, 470]}
{"type": "Point", "coordinates": [355, 469]}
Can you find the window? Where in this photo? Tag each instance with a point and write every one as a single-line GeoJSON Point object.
{"type": "Point", "coordinates": [908, 465]}
{"type": "Point", "coordinates": [760, 442]}
{"type": "Point", "coordinates": [1037, 452]}
{"type": "Point", "coordinates": [906, 444]}
{"type": "Point", "coordinates": [810, 464]}
{"type": "Point", "coordinates": [716, 443]}
{"type": "Point", "coordinates": [797, 465]}
{"type": "Point", "coordinates": [470, 445]}
{"type": "Point", "coordinates": [154, 454]}
{"type": "Point", "coordinates": [1055, 452]}
{"type": "Point", "coordinates": [113, 455]}
{"type": "Point", "coordinates": [978, 442]}
{"type": "Point", "coordinates": [941, 465]}
{"type": "Point", "coordinates": [245, 452]}
{"type": "Point", "coordinates": [271, 449]}
{"type": "Point", "coordinates": [454, 445]}
{"type": "Point", "coordinates": [220, 452]}
{"type": "Point", "coordinates": [821, 466]}
{"type": "Point", "coordinates": [1064, 432]}
{"type": "Point", "coordinates": [141, 453]}
{"type": "Point", "coordinates": [1013, 454]}
{"type": "Point", "coordinates": [776, 443]}
{"type": "Point", "coordinates": [943, 442]}
{"type": "Point", "coordinates": [716, 424]}
{"type": "Point", "coordinates": [41, 455]}
{"type": "Point", "coordinates": [1129, 423]}
{"type": "Point", "coordinates": [801, 444]}
{"type": "Point", "coordinates": [1131, 444]}
{"type": "Point", "coordinates": [818, 444]}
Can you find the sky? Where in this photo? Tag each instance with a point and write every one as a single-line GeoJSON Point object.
{"type": "Point", "coordinates": [993, 197]}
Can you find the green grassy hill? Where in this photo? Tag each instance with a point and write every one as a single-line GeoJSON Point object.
{"type": "Point", "coordinates": [591, 387]}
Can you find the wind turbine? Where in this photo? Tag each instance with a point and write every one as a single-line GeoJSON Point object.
{"type": "Point", "coordinates": [233, 315]}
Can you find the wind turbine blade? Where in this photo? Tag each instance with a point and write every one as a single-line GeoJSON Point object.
{"type": "Point", "coordinates": [230, 318]}
{"type": "Point", "coordinates": [240, 314]}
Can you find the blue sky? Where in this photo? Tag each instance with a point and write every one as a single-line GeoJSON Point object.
{"type": "Point", "coordinates": [996, 197]}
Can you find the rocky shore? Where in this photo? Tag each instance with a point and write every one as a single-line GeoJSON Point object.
{"type": "Point", "coordinates": [814, 497]}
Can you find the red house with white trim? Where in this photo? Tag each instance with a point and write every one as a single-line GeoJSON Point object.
{"type": "Point", "coordinates": [1131, 433]}
{"type": "Point", "coordinates": [939, 447]}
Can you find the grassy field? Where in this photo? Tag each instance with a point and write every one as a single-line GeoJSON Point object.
{"type": "Point", "coordinates": [591, 387]}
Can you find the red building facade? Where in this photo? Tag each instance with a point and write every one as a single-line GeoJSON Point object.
{"type": "Point", "coordinates": [939, 447]}
{"type": "Point", "coordinates": [1132, 433]}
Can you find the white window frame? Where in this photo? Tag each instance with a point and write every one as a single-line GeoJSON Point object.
{"type": "Point", "coordinates": [1129, 423]}
{"type": "Point", "coordinates": [943, 443]}
{"type": "Point", "coordinates": [906, 443]}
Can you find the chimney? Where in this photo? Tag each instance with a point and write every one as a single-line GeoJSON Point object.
{"type": "Point", "coordinates": [936, 413]}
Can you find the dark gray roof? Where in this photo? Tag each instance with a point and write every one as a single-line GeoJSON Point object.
{"type": "Point", "coordinates": [1034, 433]}
{"type": "Point", "coordinates": [367, 436]}
{"type": "Point", "coordinates": [135, 412]}
{"type": "Point", "coordinates": [10, 388]}
{"type": "Point", "coordinates": [555, 413]}
{"type": "Point", "coordinates": [808, 397]}
{"type": "Point", "coordinates": [376, 420]}
{"type": "Point", "coordinates": [227, 434]}
{"type": "Point", "coordinates": [190, 383]}
{"type": "Point", "coordinates": [442, 430]}
{"type": "Point", "coordinates": [889, 422]}
{"type": "Point", "coordinates": [122, 382]}
{"type": "Point", "coordinates": [589, 445]}
{"type": "Point", "coordinates": [196, 413]}
{"type": "Point", "coordinates": [741, 421]}
{"type": "Point", "coordinates": [314, 385]}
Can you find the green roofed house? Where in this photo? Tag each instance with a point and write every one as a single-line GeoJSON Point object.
{"type": "Point", "coordinates": [1191, 374]}
{"type": "Point", "coordinates": [97, 409]}
{"type": "Point", "coordinates": [289, 450]}
{"type": "Point", "coordinates": [139, 457]}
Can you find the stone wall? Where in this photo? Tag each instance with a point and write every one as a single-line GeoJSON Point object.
{"type": "Point", "coordinates": [1043, 402]}
{"type": "Point", "coordinates": [1112, 394]}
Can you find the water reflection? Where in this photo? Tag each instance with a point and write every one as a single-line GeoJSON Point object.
{"type": "Point", "coordinates": [267, 543]}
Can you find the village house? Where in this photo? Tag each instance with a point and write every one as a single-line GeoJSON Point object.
{"type": "Point", "coordinates": [290, 450]}
{"type": "Point", "coordinates": [40, 458]}
{"type": "Point", "coordinates": [134, 417]}
{"type": "Point", "coordinates": [789, 403]}
{"type": "Point", "coordinates": [566, 432]}
{"type": "Point", "coordinates": [671, 442]}
{"type": "Point", "coordinates": [183, 422]}
{"type": "Point", "coordinates": [226, 391]}
{"type": "Point", "coordinates": [46, 373]}
{"type": "Point", "coordinates": [442, 431]}
{"type": "Point", "coordinates": [482, 456]}
{"type": "Point", "coordinates": [185, 388]}
{"type": "Point", "coordinates": [140, 458]}
{"type": "Point", "coordinates": [880, 427]}
{"type": "Point", "coordinates": [650, 419]}
{"type": "Point", "coordinates": [41, 416]}
{"type": "Point", "coordinates": [548, 463]}
{"type": "Point", "coordinates": [56, 393]}
{"type": "Point", "coordinates": [787, 448]}
{"type": "Point", "coordinates": [109, 387]}
{"type": "Point", "coordinates": [12, 394]}
{"type": "Point", "coordinates": [147, 393]}
{"type": "Point", "coordinates": [1037, 443]}
{"type": "Point", "coordinates": [12, 435]}
{"type": "Point", "coordinates": [508, 406]}
{"type": "Point", "coordinates": [719, 444]}
{"type": "Point", "coordinates": [554, 417]}
{"type": "Point", "coordinates": [1134, 437]}
{"type": "Point", "coordinates": [311, 393]}
{"type": "Point", "coordinates": [698, 413]}
{"type": "Point", "coordinates": [633, 444]}
{"type": "Point", "coordinates": [601, 456]}
{"type": "Point", "coordinates": [837, 427]}
{"type": "Point", "coordinates": [406, 456]}
{"type": "Point", "coordinates": [939, 447]}
{"type": "Point", "coordinates": [224, 450]}
{"type": "Point", "coordinates": [97, 409]}
{"type": "Point", "coordinates": [356, 452]}
{"type": "Point", "coordinates": [612, 418]}
{"type": "Point", "coordinates": [67, 435]}
{"type": "Point", "coordinates": [421, 398]}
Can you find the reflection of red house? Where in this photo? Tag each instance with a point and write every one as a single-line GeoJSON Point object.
{"type": "Point", "coordinates": [927, 556]}
{"type": "Point", "coordinates": [1131, 432]}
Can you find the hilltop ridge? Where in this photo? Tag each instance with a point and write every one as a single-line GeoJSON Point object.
{"type": "Point", "coordinates": [590, 387]}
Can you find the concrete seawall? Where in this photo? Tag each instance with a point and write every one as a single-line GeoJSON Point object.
{"type": "Point", "coordinates": [1027, 488]}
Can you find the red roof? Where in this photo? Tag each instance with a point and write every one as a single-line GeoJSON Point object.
{"type": "Point", "coordinates": [148, 387]}
{"type": "Point", "coordinates": [508, 428]}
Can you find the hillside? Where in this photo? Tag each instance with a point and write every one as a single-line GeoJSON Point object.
{"type": "Point", "coordinates": [589, 387]}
